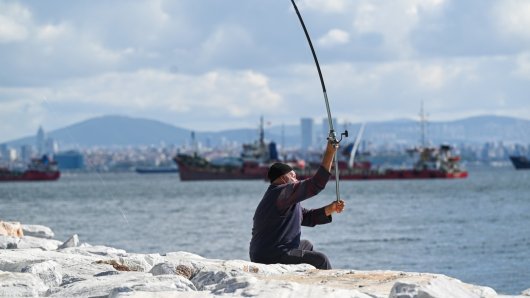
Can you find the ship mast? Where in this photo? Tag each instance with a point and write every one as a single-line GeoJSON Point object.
{"type": "Point", "coordinates": [423, 120]}
{"type": "Point", "coordinates": [261, 132]}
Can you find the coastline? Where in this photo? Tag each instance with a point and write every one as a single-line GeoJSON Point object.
{"type": "Point", "coordinates": [32, 263]}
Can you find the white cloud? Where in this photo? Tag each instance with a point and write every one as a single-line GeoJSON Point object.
{"type": "Point", "coordinates": [435, 76]}
{"type": "Point", "coordinates": [394, 20]}
{"type": "Point", "coordinates": [334, 37]}
{"type": "Point", "coordinates": [226, 40]}
{"type": "Point", "coordinates": [51, 32]}
{"type": "Point", "coordinates": [210, 66]}
{"type": "Point", "coordinates": [215, 95]}
{"type": "Point", "coordinates": [513, 18]}
{"type": "Point", "coordinates": [328, 6]}
{"type": "Point", "coordinates": [523, 65]}
{"type": "Point", "coordinates": [14, 21]}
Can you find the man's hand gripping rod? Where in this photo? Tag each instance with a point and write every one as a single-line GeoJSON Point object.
{"type": "Point", "coordinates": [332, 137]}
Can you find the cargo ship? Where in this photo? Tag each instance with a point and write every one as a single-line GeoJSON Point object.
{"type": "Point", "coordinates": [41, 169]}
{"type": "Point", "coordinates": [156, 170]}
{"type": "Point", "coordinates": [432, 163]}
{"type": "Point", "coordinates": [194, 167]}
{"type": "Point", "coordinates": [252, 164]}
{"type": "Point", "coordinates": [520, 162]}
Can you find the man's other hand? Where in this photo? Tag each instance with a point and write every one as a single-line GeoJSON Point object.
{"type": "Point", "coordinates": [334, 207]}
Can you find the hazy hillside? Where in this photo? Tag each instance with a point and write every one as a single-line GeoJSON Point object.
{"type": "Point", "coordinates": [124, 131]}
{"type": "Point", "coordinates": [115, 130]}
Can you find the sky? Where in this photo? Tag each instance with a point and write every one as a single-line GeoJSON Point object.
{"type": "Point", "coordinates": [210, 65]}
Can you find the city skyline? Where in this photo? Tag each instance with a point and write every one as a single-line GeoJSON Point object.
{"type": "Point", "coordinates": [308, 140]}
{"type": "Point", "coordinates": [123, 131]}
{"type": "Point", "coordinates": [207, 65]}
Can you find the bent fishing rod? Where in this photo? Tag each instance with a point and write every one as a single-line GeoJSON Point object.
{"type": "Point", "coordinates": [332, 136]}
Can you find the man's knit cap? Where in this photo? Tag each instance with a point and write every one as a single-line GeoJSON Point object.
{"type": "Point", "coordinates": [278, 169]}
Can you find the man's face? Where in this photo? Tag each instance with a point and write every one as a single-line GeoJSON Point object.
{"type": "Point", "coordinates": [289, 177]}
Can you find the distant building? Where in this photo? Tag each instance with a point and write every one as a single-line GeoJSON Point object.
{"type": "Point", "coordinates": [50, 147]}
{"type": "Point", "coordinates": [70, 160]}
{"type": "Point", "coordinates": [3, 152]}
{"type": "Point", "coordinates": [40, 141]}
{"type": "Point", "coordinates": [11, 155]}
{"type": "Point", "coordinates": [26, 153]}
{"type": "Point", "coordinates": [306, 125]}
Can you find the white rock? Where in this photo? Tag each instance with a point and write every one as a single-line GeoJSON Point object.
{"type": "Point", "coordinates": [73, 241]}
{"type": "Point", "coordinates": [251, 267]}
{"type": "Point", "coordinates": [526, 292]}
{"type": "Point", "coordinates": [438, 287]}
{"type": "Point", "coordinates": [8, 242]}
{"type": "Point", "coordinates": [183, 255]}
{"type": "Point", "coordinates": [140, 262]}
{"type": "Point", "coordinates": [35, 242]}
{"type": "Point", "coordinates": [74, 267]}
{"type": "Point", "coordinates": [163, 268]}
{"type": "Point", "coordinates": [97, 250]}
{"type": "Point", "coordinates": [11, 228]}
{"type": "Point", "coordinates": [38, 231]}
{"type": "Point", "coordinates": [163, 294]}
{"type": "Point", "coordinates": [21, 285]}
{"type": "Point", "coordinates": [92, 271]}
{"type": "Point", "coordinates": [248, 286]}
{"type": "Point", "coordinates": [49, 272]}
{"type": "Point", "coordinates": [210, 280]}
{"type": "Point", "coordinates": [113, 285]}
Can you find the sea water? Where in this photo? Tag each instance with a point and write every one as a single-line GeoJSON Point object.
{"type": "Point", "coordinates": [475, 229]}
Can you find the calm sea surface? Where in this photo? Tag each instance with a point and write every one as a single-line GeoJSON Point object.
{"type": "Point", "coordinates": [475, 229]}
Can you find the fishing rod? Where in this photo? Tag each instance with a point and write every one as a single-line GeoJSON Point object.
{"type": "Point", "coordinates": [332, 136]}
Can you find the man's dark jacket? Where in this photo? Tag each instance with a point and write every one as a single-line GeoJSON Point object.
{"type": "Point", "coordinates": [279, 217]}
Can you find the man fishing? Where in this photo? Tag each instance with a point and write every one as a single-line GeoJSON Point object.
{"type": "Point", "coordinates": [279, 216]}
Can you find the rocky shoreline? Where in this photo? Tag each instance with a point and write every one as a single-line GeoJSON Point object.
{"type": "Point", "coordinates": [33, 264]}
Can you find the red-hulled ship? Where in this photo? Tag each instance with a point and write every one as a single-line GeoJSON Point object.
{"type": "Point", "coordinates": [252, 164]}
{"type": "Point", "coordinates": [432, 163]}
{"type": "Point", "coordinates": [193, 167]}
{"type": "Point", "coordinates": [37, 170]}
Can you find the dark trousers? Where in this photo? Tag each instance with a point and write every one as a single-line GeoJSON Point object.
{"type": "Point", "coordinates": [305, 254]}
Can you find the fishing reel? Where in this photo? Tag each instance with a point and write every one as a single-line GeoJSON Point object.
{"type": "Point", "coordinates": [332, 137]}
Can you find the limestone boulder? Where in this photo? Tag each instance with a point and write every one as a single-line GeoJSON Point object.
{"type": "Point", "coordinates": [439, 286]}
{"type": "Point", "coordinates": [11, 228]}
{"type": "Point", "coordinates": [73, 241]}
{"type": "Point", "coordinates": [34, 268]}
{"type": "Point", "coordinates": [36, 242]}
{"type": "Point", "coordinates": [48, 271]}
{"type": "Point", "coordinates": [8, 242]}
{"type": "Point", "coordinates": [114, 285]}
{"type": "Point", "coordinates": [38, 231]}
{"type": "Point", "coordinates": [96, 250]}
{"type": "Point", "coordinates": [21, 285]}
{"type": "Point", "coordinates": [140, 262]}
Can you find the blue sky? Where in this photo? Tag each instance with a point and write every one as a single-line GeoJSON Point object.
{"type": "Point", "coordinates": [211, 64]}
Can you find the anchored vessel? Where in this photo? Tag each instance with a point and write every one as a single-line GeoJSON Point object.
{"type": "Point", "coordinates": [520, 162]}
{"type": "Point", "coordinates": [156, 170]}
{"type": "Point", "coordinates": [41, 169]}
{"type": "Point", "coordinates": [431, 163]}
{"type": "Point", "coordinates": [252, 164]}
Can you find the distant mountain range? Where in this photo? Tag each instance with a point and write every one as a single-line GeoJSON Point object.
{"type": "Point", "coordinates": [126, 131]}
